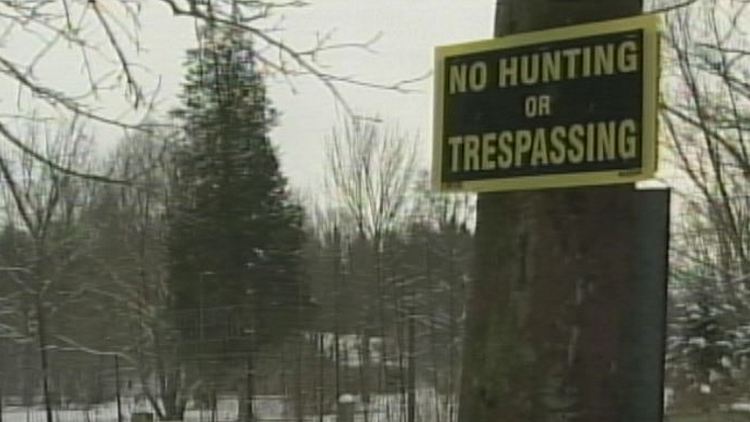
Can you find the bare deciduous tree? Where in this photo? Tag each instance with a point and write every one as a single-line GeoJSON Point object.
{"type": "Point", "coordinates": [41, 206]}
{"type": "Point", "coordinates": [107, 38]}
{"type": "Point", "coordinates": [706, 119]}
{"type": "Point", "coordinates": [371, 168]}
{"type": "Point", "coordinates": [371, 171]}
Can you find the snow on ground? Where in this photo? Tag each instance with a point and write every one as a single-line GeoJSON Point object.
{"type": "Point", "coordinates": [382, 408]}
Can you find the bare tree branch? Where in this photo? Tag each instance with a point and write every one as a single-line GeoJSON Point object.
{"type": "Point", "coordinates": [55, 23]}
{"type": "Point", "coordinates": [12, 139]}
{"type": "Point", "coordinates": [132, 84]}
{"type": "Point", "coordinates": [673, 7]}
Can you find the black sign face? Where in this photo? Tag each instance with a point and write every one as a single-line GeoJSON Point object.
{"type": "Point", "coordinates": [564, 107]}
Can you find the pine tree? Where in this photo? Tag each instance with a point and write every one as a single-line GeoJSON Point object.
{"type": "Point", "coordinates": [236, 235]}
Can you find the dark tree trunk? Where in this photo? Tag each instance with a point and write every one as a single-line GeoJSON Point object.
{"type": "Point", "coordinates": [412, 365]}
{"type": "Point", "coordinates": [44, 357]}
{"type": "Point", "coordinates": [250, 386]}
{"type": "Point", "coordinates": [551, 268]}
{"type": "Point", "coordinates": [544, 312]}
{"type": "Point", "coordinates": [117, 388]}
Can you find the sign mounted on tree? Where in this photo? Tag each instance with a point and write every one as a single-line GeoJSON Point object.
{"type": "Point", "coordinates": [569, 106]}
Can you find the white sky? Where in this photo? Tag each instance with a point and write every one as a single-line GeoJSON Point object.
{"type": "Point", "coordinates": [410, 29]}
{"type": "Point", "coordinates": [409, 32]}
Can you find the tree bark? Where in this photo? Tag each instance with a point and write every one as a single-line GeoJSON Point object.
{"type": "Point", "coordinates": [250, 386]}
{"type": "Point", "coordinates": [117, 389]}
{"type": "Point", "coordinates": [44, 357]}
{"type": "Point", "coordinates": [412, 364]}
{"type": "Point", "coordinates": [552, 266]}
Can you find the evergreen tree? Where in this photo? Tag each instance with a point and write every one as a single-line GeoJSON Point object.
{"type": "Point", "coordinates": [236, 235]}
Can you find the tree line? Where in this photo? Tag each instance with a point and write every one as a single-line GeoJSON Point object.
{"type": "Point", "coordinates": [206, 276]}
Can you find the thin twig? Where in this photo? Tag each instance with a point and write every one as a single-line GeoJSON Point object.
{"type": "Point", "coordinates": [131, 82]}
{"type": "Point", "coordinates": [11, 138]}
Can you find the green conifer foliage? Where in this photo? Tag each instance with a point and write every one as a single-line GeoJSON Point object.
{"type": "Point", "coordinates": [236, 235]}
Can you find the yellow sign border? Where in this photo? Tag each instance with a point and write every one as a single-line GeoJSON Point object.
{"type": "Point", "coordinates": [649, 24]}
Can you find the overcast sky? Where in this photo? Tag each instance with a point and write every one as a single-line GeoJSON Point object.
{"type": "Point", "coordinates": [410, 30]}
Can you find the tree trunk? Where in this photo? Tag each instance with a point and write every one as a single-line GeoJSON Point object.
{"type": "Point", "coordinates": [364, 368]}
{"type": "Point", "coordinates": [337, 314]}
{"type": "Point", "coordinates": [3, 376]}
{"type": "Point", "coordinates": [544, 312]}
{"type": "Point", "coordinates": [299, 389]}
{"type": "Point", "coordinates": [321, 377]}
{"type": "Point", "coordinates": [412, 365]}
{"type": "Point", "coordinates": [250, 387]}
{"type": "Point", "coordinates": [174, 406]}
{"type": "Point", "coordinates": [453, 360]}
{"type": "Point", "coordinates": [117, 388]}
{"type": "Point", "coordinates": [43, 357]}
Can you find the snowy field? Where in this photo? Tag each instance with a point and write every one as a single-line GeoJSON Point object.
{"type": "Point", "coordinates": [383, 408]}
{"type": "Point", "coordinates": [711, 417]}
